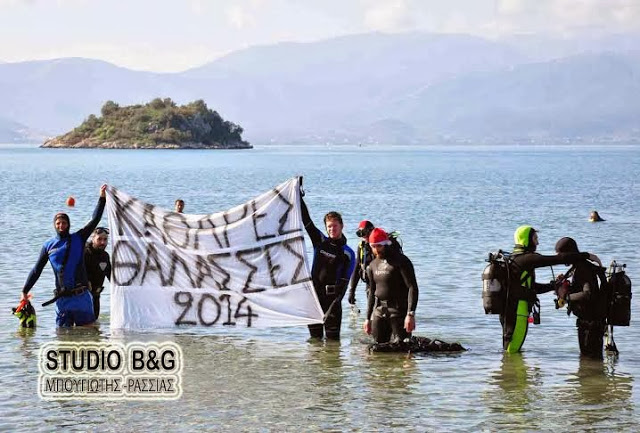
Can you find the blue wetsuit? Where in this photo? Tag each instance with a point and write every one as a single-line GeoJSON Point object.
{"type": "Point", "coordinates": [78, 308]}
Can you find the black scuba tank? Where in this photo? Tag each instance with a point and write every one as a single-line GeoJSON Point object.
{"type": "Point", "coordinates": [494, 284]}
{"type": "Point", "coordinates": [619, 296]}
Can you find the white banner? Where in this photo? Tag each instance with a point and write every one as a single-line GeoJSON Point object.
{"type": "Point", "coordinates": [243, 267]}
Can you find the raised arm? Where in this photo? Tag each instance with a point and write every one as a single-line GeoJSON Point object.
{"type": "Point", "coordinates": [540, 261]}
{"type": "Point", "coordinates": [85, 231]}
{"type": "Point", "coordinates": [314, 233]}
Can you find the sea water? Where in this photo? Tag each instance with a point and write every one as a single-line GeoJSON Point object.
{"type": "Point", "coordinates": [452, 205]}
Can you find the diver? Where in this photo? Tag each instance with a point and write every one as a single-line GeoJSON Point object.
{"type": "Point", "coordinates": [98, 264]}
{"type": "Point", "coordinates": [595, 217]}
{"type": "Point", "coordinates": [584, 299]}
{"type": "Point", "coordinates": [523, 289]}
{"type": "Point", "coordinates": [364, 256]}
{"type": "Point", "coordinates": [393, 293]}
{"type": "Point", "coordinates": [333, 263]}
{"type": "Point", "coordinates": [74, 303]}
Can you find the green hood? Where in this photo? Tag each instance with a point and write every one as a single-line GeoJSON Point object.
{"type": "Point", "coordinates": [523, 238]}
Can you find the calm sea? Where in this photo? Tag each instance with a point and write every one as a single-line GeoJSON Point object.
{"type": "Point", "coordinates": [452, 205]}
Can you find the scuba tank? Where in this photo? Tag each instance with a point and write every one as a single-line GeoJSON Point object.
{"type": "Point", "coordinates": [495, 280]}
{"type": "Point", "coordinates": [619, 313]}
{"type": "Point", "coordinates": [25, 313]}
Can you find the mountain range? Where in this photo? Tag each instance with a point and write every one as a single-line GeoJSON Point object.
{"type": "Point", "coordinates": [388, 88]}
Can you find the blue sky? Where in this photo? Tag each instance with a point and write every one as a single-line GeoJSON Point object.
{"type": "Point", "coordinates": [174, 35]}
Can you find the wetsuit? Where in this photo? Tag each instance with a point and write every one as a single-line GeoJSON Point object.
{"type": "Point", "coordinates": [333, 263]}
{"type": "Point", "coordinates": [523, 287]}
{"type": "Point", "coordinates": [98, 267]}
{"type": "Point", "coordinates": [589, 304]}
{"type": "Point", "coordinates": [65, 253]}
{"type": "Point", "coordinates": [393, 294]}
{"type": "Point", "coordinates": [363, 258]}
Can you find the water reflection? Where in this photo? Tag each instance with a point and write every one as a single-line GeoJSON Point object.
{"type": "Point", "coordinates": [392, 386]}
{"type": "Point", "coordinates": [515, 389]}
{"type": "Point", "coordinates": [599, 395]}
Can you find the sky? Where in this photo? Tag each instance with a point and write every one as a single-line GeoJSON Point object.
{"type": "Point", "coordinates": [175, 35]}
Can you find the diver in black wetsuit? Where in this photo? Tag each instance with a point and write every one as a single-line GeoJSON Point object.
{"type": "Point", "coordinates": [98, 265]}
{"type": "Point", "coordinates": [333, 263]}
{"type": "Point", "coordinates": [523, 286]}
{"type": "Point", "coordinates": [364, 256]}
{"type": "Point", "coordinates": [585, 300]}
{"type": "Point", "coordinates": [393, 294]}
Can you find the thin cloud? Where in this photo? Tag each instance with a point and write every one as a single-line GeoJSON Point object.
{"type": "Point", "coordinates": [239, 17]}
{"type": "Point", "coordinates": [389, 15]}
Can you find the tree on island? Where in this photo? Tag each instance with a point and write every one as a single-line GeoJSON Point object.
{"type": "Point", "coordinates": [160, 123]}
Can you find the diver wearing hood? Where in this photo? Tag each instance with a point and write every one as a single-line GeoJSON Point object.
{"type": "Point", "coordinates": [65, 253]}
{"type": "Point", "coordinates": [333, 263]}
{"type": "Point", "coordinates": [585, 300]}
{"type": "Point", "coordinates": [523, 289]}
{"type": "Point", "coordinates": [364, 256]}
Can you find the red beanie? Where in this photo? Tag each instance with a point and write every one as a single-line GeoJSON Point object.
{"type": "Point", "coordinates": [379, 237]}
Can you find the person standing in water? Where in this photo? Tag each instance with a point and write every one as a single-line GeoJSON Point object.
{"type": "Point", "coordinates": [364, 256]}
{"type": "Point", "coordinates": [333, 263]}
{"type": "Point", "coordinates": [98, 264]}
{"type": "Point", "coordinates": [64, 251]}
{"type": "Point", "coordinates": [179, 206]}
{"type": "Point", "coordinates": [393, 293]}
{"type": "Point", "coordinates": [585, 299]}
{"type": "Point", "coordinates": [523, 288]}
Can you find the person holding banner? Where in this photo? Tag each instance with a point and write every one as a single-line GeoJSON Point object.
{"type": "Point", "coordinates": [74, 303]}
{"type": "Point", "coordinates": [98, 264]}
{"type": "Point", "coordinates": [333, 264]}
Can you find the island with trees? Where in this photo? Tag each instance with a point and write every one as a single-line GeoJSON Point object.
{"type": "Point", "coordinates": [160, 124]}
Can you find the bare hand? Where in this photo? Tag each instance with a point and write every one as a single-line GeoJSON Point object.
{"type": "Point", "coordinates": [23, 296]}
{"type": "Point", "coordinates": [409, 323]}
{"type": "Point", "coordinates": [367, 326]}
{"type": "Point", "coordinates": [103, 191]}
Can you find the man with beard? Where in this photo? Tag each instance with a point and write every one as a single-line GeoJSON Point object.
{"type": "Point", "coordinates": [393, 294]}
{"type": "Point", "coordinates": [64, 251]}
{"type": "Point", "coordinates": [333, 263]}
{"type": "Point", "coordinates": [98, 265]}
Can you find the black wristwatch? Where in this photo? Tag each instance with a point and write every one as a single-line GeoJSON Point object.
{"type": "Point", "coordinates": [411, 313]}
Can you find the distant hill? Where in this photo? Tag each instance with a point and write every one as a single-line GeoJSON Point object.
{"type": "Point", "coordinates": [158, 124]}
{"type": "Point", "coordinates": [590, 95]}
{"type": "Point", "coordinates": [14, 132]}
{"type": "Point", "coordinates": [373, 87]}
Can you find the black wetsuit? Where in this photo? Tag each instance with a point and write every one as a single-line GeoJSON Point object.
{"type": "Point", "coordinates": [523, 283]}
{"type": "Point", "coordinates": [98, 267]}
{"type": "Point", "coordinates": [393, 293]}
{"type": "Point", "coordinates": [589, 304]}
{"type": "Point", "coordinates": [333, 262]}
{"type": "Point", "coordinates": [364, 256]}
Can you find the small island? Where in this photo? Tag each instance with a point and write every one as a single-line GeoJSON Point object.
{"type": "Point", "coordinates": [160, 124]}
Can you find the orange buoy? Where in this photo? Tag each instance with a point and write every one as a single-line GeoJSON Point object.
{"type": "Point", "coordinates": [71, 202]}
